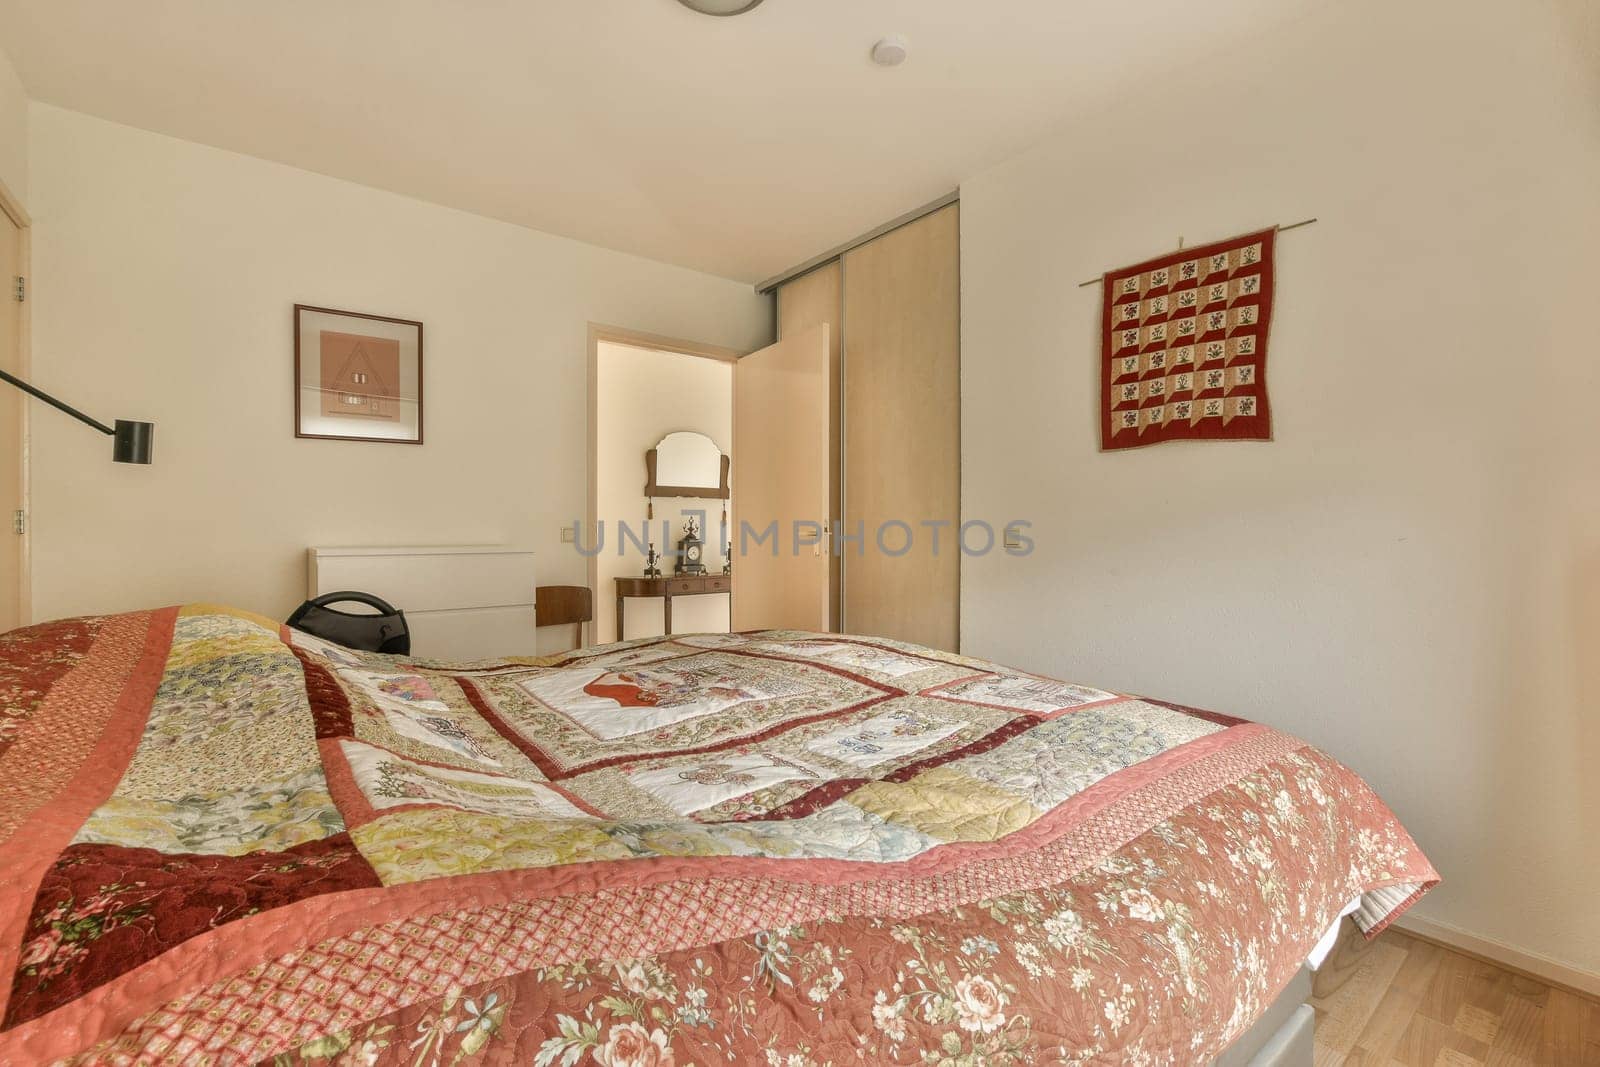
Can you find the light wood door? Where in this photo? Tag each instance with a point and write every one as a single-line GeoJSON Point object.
{"type": "Point", "coordinates": [11, 426]}
{"type": "Point", "coordinates": [813, 299]}
{"type": "Point", "coordinates": [781, 477]}
{"type": "Point", "coordinates": [902, 431]}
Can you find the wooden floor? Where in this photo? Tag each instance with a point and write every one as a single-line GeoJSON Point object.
{"type": "Point", "coordinates": [1399, 1000]}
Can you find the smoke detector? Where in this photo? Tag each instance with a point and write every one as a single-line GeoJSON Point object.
{"type": "Point", "coordinates": [891, 51]}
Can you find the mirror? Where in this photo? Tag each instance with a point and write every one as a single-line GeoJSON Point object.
{"type": "Point", "coordinates": [686, 464]}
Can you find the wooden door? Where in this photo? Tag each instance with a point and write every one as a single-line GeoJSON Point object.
{"type": "Point", "coordinates": [11, 426]}
{"type": "Point", "coordinates": [812, 299]}
{"type": "Point", "coordinates": [782, 476]}
{"type": "Point", "coordinates": [902, 431]}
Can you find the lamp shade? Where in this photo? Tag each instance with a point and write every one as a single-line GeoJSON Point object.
{"type": "Point", "coordinates": [131, 443]}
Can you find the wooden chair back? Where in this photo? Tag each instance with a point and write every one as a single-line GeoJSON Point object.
{"type": "Point", "coordinates": [556, 605]}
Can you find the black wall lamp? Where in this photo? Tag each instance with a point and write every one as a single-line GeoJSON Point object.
{"type": "Point", "coordinates": [130, 441]}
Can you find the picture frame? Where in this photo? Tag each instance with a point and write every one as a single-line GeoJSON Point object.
{"type": "Point", "coordinates": [357, 377]}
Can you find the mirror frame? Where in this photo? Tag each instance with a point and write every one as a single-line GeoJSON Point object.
{"type": "Point", "coordinates": [654, 489]}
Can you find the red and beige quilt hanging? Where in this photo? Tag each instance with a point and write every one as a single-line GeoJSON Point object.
{"type": "Point", "coordinates": [1184, 346]}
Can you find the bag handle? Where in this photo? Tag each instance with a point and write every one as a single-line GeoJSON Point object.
{"type": "Point", "coordinates": [383, 606]}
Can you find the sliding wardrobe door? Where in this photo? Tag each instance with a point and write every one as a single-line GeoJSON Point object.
{"type": "Point", "coordinates": [781, 484]}
{"type": "Point", "coordinates": [902, 432]}
{"type": "Point", "coordinates": [815, 299]}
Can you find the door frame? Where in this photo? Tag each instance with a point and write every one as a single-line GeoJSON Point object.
{"type": "Point", "coordinates": [622, 335]}
{"type": "Point", "coordinates": [13, 209]}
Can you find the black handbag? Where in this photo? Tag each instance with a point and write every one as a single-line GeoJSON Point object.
{"type": "Point", "coordinates": [384, 632]}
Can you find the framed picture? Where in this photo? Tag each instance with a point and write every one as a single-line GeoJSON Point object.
{"type": "Point", "coordinates": [357, 377]}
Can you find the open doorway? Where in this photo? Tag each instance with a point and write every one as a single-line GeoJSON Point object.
{"type": "Point", "coordinates": [643, 390]}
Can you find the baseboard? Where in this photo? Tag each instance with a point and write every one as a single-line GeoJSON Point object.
{"type": "Point", "coordinates": [1528, 964]}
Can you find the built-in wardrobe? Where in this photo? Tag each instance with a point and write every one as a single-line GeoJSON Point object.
{"type": "Point", "coordinates": [892, 305]}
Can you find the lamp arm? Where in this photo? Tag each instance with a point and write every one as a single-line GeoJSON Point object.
{"type": "Point", "coordinates": [53, 402]}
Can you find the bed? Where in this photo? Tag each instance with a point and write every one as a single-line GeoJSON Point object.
{"type": "Point", "coordinates": [228, 841]}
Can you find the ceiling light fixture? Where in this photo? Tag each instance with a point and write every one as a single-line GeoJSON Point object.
{"type": "Point", "coordinates": [720, 7]}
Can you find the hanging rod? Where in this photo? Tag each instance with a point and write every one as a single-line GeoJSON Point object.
{"type": "Point", "coordinates": [1281, 229]}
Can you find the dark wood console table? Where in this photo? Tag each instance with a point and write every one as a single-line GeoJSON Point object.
{"type": "Point", "coordinates": [670, 586]}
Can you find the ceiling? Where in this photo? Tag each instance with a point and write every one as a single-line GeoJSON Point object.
{"type": "Point", "coordinates": [738, 146]}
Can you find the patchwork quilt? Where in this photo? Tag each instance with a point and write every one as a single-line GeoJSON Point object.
{"type": "Point", "coordinates": [229, 842]}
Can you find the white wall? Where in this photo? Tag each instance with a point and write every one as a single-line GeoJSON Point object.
{"type": "Point", "coordinates": [1409, 576]}
{"type": "Point", "coordinates": [165, 273]}
{"type": "Point", "coordinates": [13, 130]}
{"type": "Point", "coordinates": [643, 396]}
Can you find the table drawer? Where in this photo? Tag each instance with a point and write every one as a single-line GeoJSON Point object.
{"type": "Point", "coordinates": [719, 583]}
{"type": "Point", "coordinates": [686, 585]}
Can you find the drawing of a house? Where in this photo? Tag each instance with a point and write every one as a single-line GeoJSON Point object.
{"type": "Point", "coordinates": [359, 376]}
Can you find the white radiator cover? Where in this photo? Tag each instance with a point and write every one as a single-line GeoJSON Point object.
{"type": "Point", "coordinates": [461, 601]}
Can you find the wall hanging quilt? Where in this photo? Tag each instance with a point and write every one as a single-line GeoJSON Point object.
{"type": "Point", "coordinates": [1183, 353]}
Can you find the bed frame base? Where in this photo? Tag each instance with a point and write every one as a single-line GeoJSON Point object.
{"type": "Point", "coordinates": [1282, 1037]}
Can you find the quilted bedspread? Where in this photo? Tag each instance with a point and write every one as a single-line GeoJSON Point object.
{"type": "Point", "coordinates": [228, 842]}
